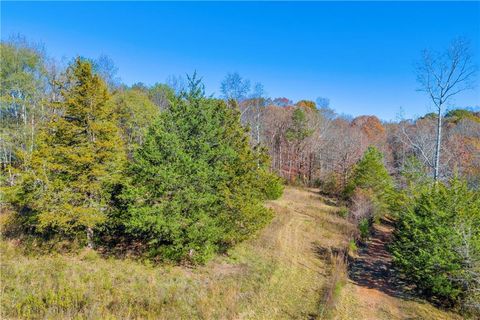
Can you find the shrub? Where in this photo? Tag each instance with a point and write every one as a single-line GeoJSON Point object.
{"type": "Point", "coordinates": [364, 228]}
{"type": "Point", "coordinates": [343, 212]}
{"type": "Point", "coordinates": [437, 242]}
{"type": "Point", "coordinates": [363, 206]}
{"type": "Point", "coordinates": [330, 185]}
{"type": "Point", "coordinates": [272, 186]}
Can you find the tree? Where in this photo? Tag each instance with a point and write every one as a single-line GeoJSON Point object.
{"type": "Point", "coordinates": [196, 184]}
{"type": "Point", "coordinates": [65, 187]}
{"type": "Point", "coordinates": [306, 104]}
{"type": "Point", "coordinates": [370, 173]}
{"type": "Point", "coordinates": [161, 95]}
{"type": "Point", "coordinates": [23, 82]}
{"type": "Point", "coordinates": [437, 242]}
{"type": "Point", "coordinates": [443, 76]}
{"type": "Point", "coordinates": [234, 87]}
{"type": "Point", "coordinates": [295, 135]}
{"type": "Point", "coordinates": [107, 70]}
{"type": "Point", "coordinates": [135, 113]}
{"type": "Point", "coordinates": [282, 102]}
{"type": "Point", "coordinates": [372, 129]}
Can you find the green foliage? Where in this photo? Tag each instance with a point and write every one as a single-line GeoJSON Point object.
{"type": "Point", "coordinates": [343, 212]}
{"type": "Point", "coordinates": [331, 185]}
{"type": "Point", "coordinates": [456, 115]}
{"type": "Point", "coordinates": [414, 173]}
{"type": "Point", "coordinates": [299, 129]}
{"type": "Point", "coordinates": [369, 190]}
{"type": "Point", "coordinates": [352, 247]}
{"type": "Point", "coordinates": [364, 228]}
{"type": "Point", "coordinates": [22, 94]}
{"type": "Point", "coordinates": [65, 185]}
{"type": "Point", "coordinates": [195, 186]}
{"type": "Point", "coordinates": [272, 186]}
{"type": "Point", "coordinates": [414, 180]}
{"type": "Point", "coordinates": [430, 115]}
{"type": "Point", "coordinates": [437, 239]}
{"type": "Point", "coordinates": [161, 95]}
{"type": "Point", "coordinates": [370, 173]}
{"type": "Point", "coordinates": [135, 113]}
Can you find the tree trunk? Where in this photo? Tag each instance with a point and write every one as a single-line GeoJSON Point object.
{"type": "Point", "coordinates": [439, 143]}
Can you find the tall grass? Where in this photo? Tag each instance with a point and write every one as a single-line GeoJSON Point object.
{"type": "Point", "coordinates": [337, 279]}
{"type": "Point", "coordinates": [276, 275]}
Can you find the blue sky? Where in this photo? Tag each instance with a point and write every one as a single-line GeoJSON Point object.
{"type": "Point", "coordinates": [360, 55]}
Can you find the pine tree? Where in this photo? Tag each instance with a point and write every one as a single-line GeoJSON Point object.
{"type": "Point", "coordinates": [135, 113]}
{"type": "Point", "coordinates": [79, 156]}
{"type": "Point", "coordinates": [370, 173]}
{"type": "Point", "coordinates": [437, 242]}
{"type": "Point", "coordinates": [196, 183]}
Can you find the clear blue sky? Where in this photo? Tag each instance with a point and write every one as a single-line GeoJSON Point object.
{"type": "Point", "coordinates": [360, 55]}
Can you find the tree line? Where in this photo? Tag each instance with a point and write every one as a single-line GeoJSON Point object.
{"type": "Point", "coordinates": [173, 172]}
{"type": "Point", "coordinates": [179, 175]}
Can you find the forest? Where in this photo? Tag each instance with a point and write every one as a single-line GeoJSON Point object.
{"type": "Point", "coordinates": [170, 176]}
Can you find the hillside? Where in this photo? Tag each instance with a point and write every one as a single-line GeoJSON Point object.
{"type": "Point", "coordinates": [283, 273]}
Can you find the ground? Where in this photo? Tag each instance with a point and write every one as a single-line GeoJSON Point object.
{"type": "Point", "coordinates": [374, 291]}
{"type": "Point", "coordinates": [291, 270]}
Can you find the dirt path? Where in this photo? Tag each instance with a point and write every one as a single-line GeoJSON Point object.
{"type": "Point", "coordinates": [373, 267]}
{"type": "Point", "coordinates": [375, 292]}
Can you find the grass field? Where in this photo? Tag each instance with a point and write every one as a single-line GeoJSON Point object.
{"type": "Point", "coordinates": [280, 274]}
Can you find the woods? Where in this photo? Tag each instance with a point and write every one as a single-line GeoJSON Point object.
{"type": "Point", "coordinates": [172, 174]}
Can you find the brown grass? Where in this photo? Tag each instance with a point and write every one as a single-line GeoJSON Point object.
{"type": "Point", "coordinates": [276, 275]}
{"type": "Point", "coordinates": [282, 273]}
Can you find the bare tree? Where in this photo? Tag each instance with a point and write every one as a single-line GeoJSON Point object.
{"type": "Point", "coordinates": [234, 87]}
{"type": "Point", "coordinates": [442, 76]}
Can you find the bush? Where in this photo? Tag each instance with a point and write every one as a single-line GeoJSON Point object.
{"type": "Point", "coordinates": [272, 187]}
{"type": "Point", "coordinates": [363, 206]}
{"type": "Point", "coordinates": [343, 212]}
{"type": "Point", "coordinates": [364, 228]}
{"type": "Point", "coordinates": [331, 185]}
{"type": "Point", "coordinates": [196, 185]}
{"type": "Point", "coordinates": [437, 242]}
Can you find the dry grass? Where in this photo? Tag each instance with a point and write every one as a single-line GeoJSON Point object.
{"type": "Point", "coordinates": [282, 273]}
{"type": "Point", "coordinates": [358, 303]}
{"type": "Point", "coordinates": [277, 275]}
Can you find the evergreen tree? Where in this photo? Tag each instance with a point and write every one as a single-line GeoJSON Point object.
{"type": "Point", "coordinates": [370, 173]}
{"type": "Point", "coordinates": [196, 184]}
{"type": "Point", "coordinates": [437, 242]}
{"type": "Point", "coordinates": [135, 113]}
{"type": "Point", "coordinates": [298, 130]}
{"type": "Point", "coordinates": [79, 156]}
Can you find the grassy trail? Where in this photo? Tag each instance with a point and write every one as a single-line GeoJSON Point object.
{"type": "Point", "coordinates": [276, 275]}
{"type": "Point", "coordinates": [282, 273]}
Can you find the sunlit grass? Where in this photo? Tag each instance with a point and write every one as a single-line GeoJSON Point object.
{"type": "Point", "coordinates": [276, 275]}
